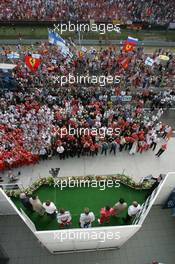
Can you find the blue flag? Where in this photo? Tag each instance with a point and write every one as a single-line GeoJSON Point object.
{"type": "Point", "coordinates": [55, 39]}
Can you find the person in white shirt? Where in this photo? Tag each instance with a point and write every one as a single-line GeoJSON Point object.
{"type": "Point", "coordinates": [158, 127]}
{"type": "Point", "coordinates": [132, 211]}
{"type": "Point", "coordinates": [50, 208]}
{"type": "Point", "coordinates": [60, 150]}
{"type": "Point", "coordinates": [86, 218]}
{"type": "Point", "coordinates": [64, 218]}
{"type": "Point", "coordinates": [159, 113]}
{"type": "Point", "coordinates": [155, 140]}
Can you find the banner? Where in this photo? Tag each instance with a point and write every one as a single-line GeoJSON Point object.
{"type": "Point", "coordinates": [53, 61]}
{"type": "Point", "coordinates": [13, 55]}
{"type": "Point", "coordinates": [84, 49]}
{"type": "Point", "coordinates": [36, 56]}
{"type": "Point", "coordinates": [164, 58]}
{"type": "Point", "coordinates": [7, 66]}
{"type": "Point", "coordinates": [66, 52]}
{"type": "Point", "coordinates": [123, 98]}
{"type": "Point", "coordinates": [116, 22]}
{"type": "Point", "coordinates": [149, 61]}
{"type": "Point", "coordinates": [135, 26]}
{"type": "Point", "coordinates": [126, 98]}
{"type": "Point", "coordinates": [171, 25]}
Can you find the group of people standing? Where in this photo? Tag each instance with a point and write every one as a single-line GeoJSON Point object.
{"type": "Point", "coordinates": [117, 209]}
{"type": "Point", "coordinates": [87, 217]}
{"type": "Point", "coordinates": [33, 204]}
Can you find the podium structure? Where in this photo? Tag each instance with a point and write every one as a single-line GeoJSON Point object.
{"type": "Point", "coordinates": [95, 238]}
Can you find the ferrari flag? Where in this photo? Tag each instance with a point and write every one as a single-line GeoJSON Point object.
{"type": "Point", "coordinates": [128, 46]}
{"type": "Point", "coordinates": [32, 63]}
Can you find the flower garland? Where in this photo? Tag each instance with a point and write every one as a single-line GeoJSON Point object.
{"type": "Point", "coordinates": [123, 179]}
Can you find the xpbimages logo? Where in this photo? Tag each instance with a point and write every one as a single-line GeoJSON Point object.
{"type": "Point", "coordinates": [101, 28]}
{"type": "Point", "coordinates": [85, 235]}
{"type": "Point", "coordinates": [102, 80]}
{"type": "Point", "coordinates": [72, 183]}
{"type": "Point", "coordinates": [94, 131]}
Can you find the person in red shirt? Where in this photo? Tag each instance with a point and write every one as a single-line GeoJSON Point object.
{"type": "Point", "coordinates": [105, 213]}
{"type": "Point", "coordinates": [161, 150]}
{"type": "Point", "coordinates": [141, 146]}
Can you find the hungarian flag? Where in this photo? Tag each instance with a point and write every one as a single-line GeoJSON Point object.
{"type": "Point", "coordinates": [128, 46]}
{"type": "Point", "coordinates": [32, 63]}
{"type": "Point", "coordinates": [125, 63]}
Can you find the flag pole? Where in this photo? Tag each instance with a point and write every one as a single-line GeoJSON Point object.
{"type": "Point", "coordinates": [79, 36]}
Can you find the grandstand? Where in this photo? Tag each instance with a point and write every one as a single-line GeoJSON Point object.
{"type": "Point", "coordinates": [125, 12]}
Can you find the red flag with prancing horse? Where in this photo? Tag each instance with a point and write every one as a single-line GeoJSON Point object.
{"type": "Point", "coordinates": [32, 63]}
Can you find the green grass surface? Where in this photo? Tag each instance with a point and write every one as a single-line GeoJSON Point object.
{"type": "Point", "coordinates": [41, 32]}
{"type": "Point", "coordinates": [75, 199]}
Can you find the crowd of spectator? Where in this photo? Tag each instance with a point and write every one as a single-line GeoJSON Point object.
{"type": "Point", "coordinates": [126, 11]}
{"type": "Point", "coordinates": [36, 117]}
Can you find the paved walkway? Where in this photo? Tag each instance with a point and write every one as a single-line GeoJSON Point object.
{"type": "Point", "coordinates": [155, 241]}
{"type": "Point", "coordinates": [136, 166]}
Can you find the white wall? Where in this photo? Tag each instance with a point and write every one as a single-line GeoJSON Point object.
{"type": "Point", "coordinates": [168, 186]}
{"type": "Point", "coordinates": [86, 239]}
{"type": "Point", "coordinates": [27, 220]}
{"type": "Point", "coordinates": [6, 207]}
